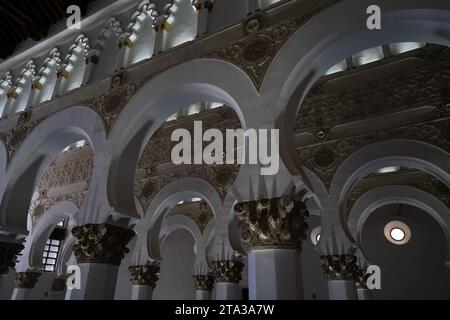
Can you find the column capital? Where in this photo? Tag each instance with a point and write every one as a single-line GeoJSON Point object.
{"type": "Point", "coordinates": [204, 282]}
{"type": "Point", "coordinates": [59, 284]}
{"type": "Point", "coordinates": [361, 277]}
{"type": "Point", "coordinates": [101, 243]}
{"type": "Point", "coordinates": [145, 275]}
{"type": "Point", "coordinates": [339, 267]}
{"type": "Point", "coordinates": [26, 280]}
{"type": "Point", "coordinates": [273, 223]}
{"type": "Point", "coordinates": [203, 4]}
{"type": "Point", "coordinates": [8, 255]}
{"type": "Point", "coordinates": [228, 271]}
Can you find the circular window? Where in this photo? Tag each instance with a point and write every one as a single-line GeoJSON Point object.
{"type": "Point", "coordinates": [397, 232]}
{"type": "Point", "coordinates": [315, 235]}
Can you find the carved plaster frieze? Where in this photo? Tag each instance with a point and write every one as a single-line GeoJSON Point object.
{"type": "Point", "coordinates": [199, 212]}
{"type": "Point", "coordinates": [101, 243]}
{"type": "Point", "coordinates": [221, 177]}
{"type": "Point", "coordinates": [69, 172]}
{"type": "Point", "coordinates": [14, 138]}
{"type": "Point", "coordinates": [110, 105]}
{"type": "Point", "coordinates": [411, 178]}
{"type": "Point", "coordinates": [255, 53]}
{"type": "Point", "coordinates": [277, 223]}
{"type": "Point", "coordinates": [41, 205]}
{"type": "Point", "coordinates": [428, 84]}
{"type": "Point", "coordinates": [325, 158]}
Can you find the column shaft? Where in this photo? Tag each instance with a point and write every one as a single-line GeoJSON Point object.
{"type": "Point", "coordinates": [202, 295]}
{"type": "Point", "coordinates": [98, 282]}
{"type": "Point", "coordinates": [275, 274]}
{"type": "Point", "coordinates": [141, 292]}
{"type": "Point", "coordinates": [228, 291]}
{"type": "Point", "coordinates": [342, 290]}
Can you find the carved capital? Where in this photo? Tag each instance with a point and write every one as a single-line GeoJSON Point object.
{"type": "Point", "coordinates": [339, 267]}
{"type": "Point", "coordinates": [101, 243]}
{"type": "Point", "coordinates": [203, 282]}
{"type": "Point", "coordinates": [361, 277]}
{"type": "Point", "coordinates": [146, 275]}
{"type": "Point", "coordinates": [8, 255]}
{"type": "Point", "coordinates": [26, 280]}
{"type": "Point", "coordinates": [59, 284]}
{"type": "Point", "coordinates": [274, 223]}
{"type": "Point", "coordinates": [228, 271]}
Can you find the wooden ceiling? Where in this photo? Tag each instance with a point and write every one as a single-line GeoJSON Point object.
{"type": "Point", "coordinates": [23, 19]}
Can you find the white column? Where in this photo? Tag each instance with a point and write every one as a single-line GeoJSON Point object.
{"type": "Point", "coordinates": [98, 282]}
{"type": "Point", "coordinates": [275, 274]}
{"type": "Point", "coordinates": [122, 56]}
{"type": "Point", "coordinates": [141, 292]}
{"type": "Point", "coordinates": [35, 90]}
{"type": "Point", "coordinates": [6, 286]}
{"type": "Point", "coordinates": [10, 104]}
{"type": "Point", "coordinates": [144, 279]}
{"type": "Point", "coordinates": [229, 274]}
{"type": "Point", "coordinates": [203, 8]}
{"type": "Point", "coordinates": [274, 264]}
{"type": "Point", "coordinates": [160, 26]}
{"type": "Point", "coordinates": [342, 290]}
{"type": "Point", "coordinates": [58, 291]}
{"type": "Point", "coordinates": [24, 285]}
{"type": "Point", "coordinates": [341, 271]}
{"type": "Point", "coordinates": [228, 291]}
{"type": "Point", "coordinates": [22, 294]}
{"type": "Point", "coordinates": [202, 295]}
{"type": "Point", "coordinates": [91, 62]}
{"type": "Point", "coordinates": [99, 258]}
{"type": "Point", "coordinates": [61, 74]}
{"type": "Point", "coordinates": [203, 284]}
{"type": "Point", "coordinates": [364, 294]}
